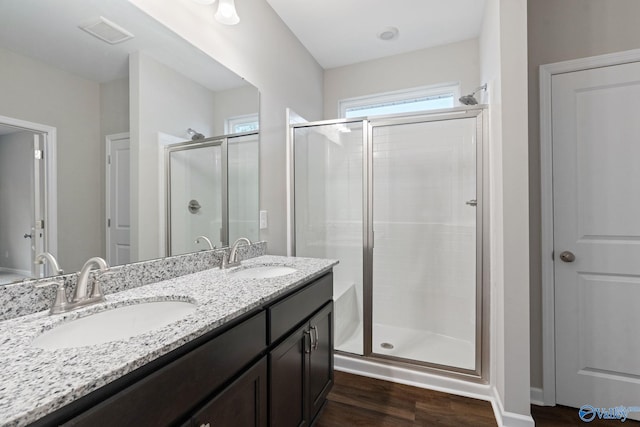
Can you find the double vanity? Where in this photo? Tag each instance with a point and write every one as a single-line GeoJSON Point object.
{"type": "Point", "coordinates": [246, 346]}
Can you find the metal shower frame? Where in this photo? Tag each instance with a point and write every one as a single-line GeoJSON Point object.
{"type": "Point", "coordinates": [481, 372]}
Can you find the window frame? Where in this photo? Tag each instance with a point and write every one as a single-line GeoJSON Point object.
{"type": "Point", "coordinates": [231, 122]}
{"type": "Point", "coordinates": [399, 96]}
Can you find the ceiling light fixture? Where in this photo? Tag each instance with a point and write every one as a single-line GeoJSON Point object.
{"type": "Point", "coordinates": [388, 34]}
{"type": "Point", "coordinates": [225, 13]}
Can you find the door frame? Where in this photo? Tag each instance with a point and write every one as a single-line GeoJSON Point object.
{"type": "Point", "coordinates": [110, 139]}
{"type": "Point", "coordinates": [547, 71]}
{"type": "Point", "coordinates": [51, 182]}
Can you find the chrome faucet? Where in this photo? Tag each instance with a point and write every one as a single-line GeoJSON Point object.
{"type": "Point", "coordinates": [53, 263]}
{"type": "Point", "coordinates": [206, 239]}
{"type": "Point", "coordinates": [232, 259]}
{"type": "Point", "coordinates": [82, 296]}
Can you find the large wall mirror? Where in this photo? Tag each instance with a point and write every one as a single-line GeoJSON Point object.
{"type": "Point", "coordinates": [87, 117]}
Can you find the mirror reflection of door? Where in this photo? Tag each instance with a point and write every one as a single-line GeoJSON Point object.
{"type": "Point", "coordinates": [22, 202]}
{"type": "Point", "coordinates": [118, 232]}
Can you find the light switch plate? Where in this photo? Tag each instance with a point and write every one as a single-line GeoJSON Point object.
{"type": "Point", "coordinates": [263, 220]}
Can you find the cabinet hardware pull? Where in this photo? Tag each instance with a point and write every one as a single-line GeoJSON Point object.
{"type": "Point", "coordinates": [307, 334]}
{"type": "Point", "coordinates": [314, 341]}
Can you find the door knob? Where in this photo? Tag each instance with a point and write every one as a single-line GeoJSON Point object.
{"type": "Point", "coordinates": [27, 236]}
{"type": "Point", "coordinates": [567, 256]}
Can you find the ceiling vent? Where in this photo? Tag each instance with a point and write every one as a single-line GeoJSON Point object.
{"type": "Point", "coordinates": [107, 31]}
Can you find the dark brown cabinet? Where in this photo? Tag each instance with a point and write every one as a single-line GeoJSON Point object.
{"type": "Point", "coordinates": [243, 403]}
{"type": "Point", "coordinates": [320, 359]}
{"type": "Point", "coordinates": [301, 371]}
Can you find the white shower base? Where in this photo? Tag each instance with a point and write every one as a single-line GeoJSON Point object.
{"type": "Point", "coordinates": [414, 344]}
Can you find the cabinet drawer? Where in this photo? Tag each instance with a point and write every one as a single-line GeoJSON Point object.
{"type": "Point", "coordinates": [286, 314]}
{"type": "Point", "coordinates": [167, 394]}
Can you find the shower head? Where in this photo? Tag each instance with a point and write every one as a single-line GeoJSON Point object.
{"type": "Point", "coordinates": [194, 135]}
{"type": "Point", "coordinates": [470, 99]}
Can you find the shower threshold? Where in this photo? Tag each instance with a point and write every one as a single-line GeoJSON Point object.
{"type": "Point", "coordinates": [413, 344]}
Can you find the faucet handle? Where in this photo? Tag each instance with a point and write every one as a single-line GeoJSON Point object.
{"type": "Point", "coordinates": [96, 292]}
{"type": "Point", "coordinates": [61, 301]}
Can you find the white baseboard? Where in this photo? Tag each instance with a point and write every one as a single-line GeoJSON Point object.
{"type": "Point", "coordinates": [509, 419]}
{"type": "Point", "coordinates": [536, 396]}
{"type": "Point", "coordinates": [382, 371]}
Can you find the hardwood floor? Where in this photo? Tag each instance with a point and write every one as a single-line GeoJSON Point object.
{"type": "Point", "coordinates": [361, 401]}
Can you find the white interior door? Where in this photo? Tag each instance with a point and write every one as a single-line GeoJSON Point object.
{"type": "Point", "coordinates": [596, 186]}
{"type": "Point", "coordinates": [118, 202]}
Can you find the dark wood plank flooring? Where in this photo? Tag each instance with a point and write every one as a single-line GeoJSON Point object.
{"type": "Point", "coordinates": [361, 401]}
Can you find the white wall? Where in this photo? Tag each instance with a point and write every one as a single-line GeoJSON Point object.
{"type": "Point", "coordinates": [114, 107]}
{"type": "Point", "coordinates": [114, 118]}
{"type": "Point", "coordinates": [263, 51]}
{"type": "Point", "coordinates": [16, 205]}
{"type": "Point", "coordinates": [241, 101]}
{"type": "Point", "coordinates": [162, 100]}
{"type": "Point", "coordinates": [36, 92]}
{"type": "Point", "coordinates": [456, 62]}
{"type": "Point", "coordinates": [503, 67]}
{"type": "Point", "coordinates": [559, 31]}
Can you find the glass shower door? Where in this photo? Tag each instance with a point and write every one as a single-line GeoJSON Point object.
{"type": "Point", "coordinates": [197, 196]}
{"type": "Point", "coordinates": [424, 252]}
{"type": "Point", "coordinates": [328, 206]}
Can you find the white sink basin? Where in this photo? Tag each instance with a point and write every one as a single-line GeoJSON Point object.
{"type": "Point", "coordinates": [263, 272]}
{"type": "Point", "coordinates": [112, 325]}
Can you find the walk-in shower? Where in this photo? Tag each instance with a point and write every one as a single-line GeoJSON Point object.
{"type": "Point", "coordinates": [399, 201]}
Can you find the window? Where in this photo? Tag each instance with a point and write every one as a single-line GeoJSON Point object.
{"type": "Point", "coordinates": [406, 101]}
{"type": "Point", "coordinates": [241, 124]}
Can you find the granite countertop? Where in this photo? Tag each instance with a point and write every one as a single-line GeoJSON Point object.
{"type": "Point", "coordinates": [36, 382]}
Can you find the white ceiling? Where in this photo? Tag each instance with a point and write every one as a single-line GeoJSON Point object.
{"type": "Point", "coordinates": [48, 31]}
{"type": "Point", "coordinates": [343, 32]}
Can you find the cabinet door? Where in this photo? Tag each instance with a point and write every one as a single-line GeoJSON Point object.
{"type": "Point", "coordinates": [243, 403]}
{"type": "Point", "coordinates": [287, 380]}
{"type": "Point", "coordinates": [320, 358]}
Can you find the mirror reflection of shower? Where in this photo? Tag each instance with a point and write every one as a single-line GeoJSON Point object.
{"type": "Point", "coordinates": [211, 192]}
{"type": "Point", "coordinates": [195, 135]}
